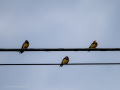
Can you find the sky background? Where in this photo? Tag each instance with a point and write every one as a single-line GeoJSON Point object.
{"type": "Point", "coordinates": [60, 24]}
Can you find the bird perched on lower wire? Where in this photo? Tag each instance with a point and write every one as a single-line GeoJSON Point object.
{"type": "Point", "coordinates": [25, 46]}
{"type": "Point", "coordinates": [93, 45]}
{"type": "Point", "coordinates": [65, 61]}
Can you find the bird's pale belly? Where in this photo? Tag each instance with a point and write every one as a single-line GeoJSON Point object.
{"type": "Point", "coordinates": [65, 61]}
{"type": "Point", "coordinates": [93, 46]}
{"type": "Point", "coordinates": [26, 46]}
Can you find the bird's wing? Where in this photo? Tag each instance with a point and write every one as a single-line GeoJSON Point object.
{"type": "Point", "coordinates": [62, 60]}
{"type": "Point", "coordinates": [23, 45]}
{"type": "Point", "coordinates": [91, 45]}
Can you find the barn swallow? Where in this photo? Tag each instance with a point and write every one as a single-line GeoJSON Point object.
{"type": "Point", "coordinates": [65, 61]}
{"type": "Point", "coordinates": [25, 45]}
{"type": "Point", "coordinates": [93, 45]}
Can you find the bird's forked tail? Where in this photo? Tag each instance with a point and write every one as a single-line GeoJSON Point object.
{"type": "Point", "coordinates": [21, 52]}
{"type": "Point", "coordinates": [61, 65]}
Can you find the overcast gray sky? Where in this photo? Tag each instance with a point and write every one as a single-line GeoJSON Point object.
{"type": "Point", "coordinates": [60, 24]}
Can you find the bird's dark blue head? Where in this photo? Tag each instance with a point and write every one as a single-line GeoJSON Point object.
{"type": "Point", "coordinates": [66, 57]}
{"type": "Point", "coordinates": [26, 41]}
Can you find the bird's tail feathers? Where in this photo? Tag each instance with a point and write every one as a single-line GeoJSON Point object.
{"type": "Point", "coordinates": [61, 65]}
{"type": "Point", "coordinates": [21, 52]}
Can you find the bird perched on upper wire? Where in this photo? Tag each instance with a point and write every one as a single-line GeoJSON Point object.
{"type": "Point", "coordinates": [24, 46]}
{"type": "Point", "coordinates": [64, 61]}
{"type": "Point", "coordinates": [93, 45]}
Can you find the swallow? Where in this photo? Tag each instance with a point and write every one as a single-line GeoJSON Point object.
{"type": "Point", "coordinates": [93, 45]}
{"type": "Point", "coordinates": [24, 46]}
{"type": "Point", "coordinates": [64, 61]}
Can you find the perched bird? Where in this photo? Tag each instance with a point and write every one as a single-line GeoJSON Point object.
{"type": "Point", "coordinates": [65, 61]}
{"type": "Point", "coordinates": [93, 45]}
{"type": "Point", "coordinates": [24, 46]}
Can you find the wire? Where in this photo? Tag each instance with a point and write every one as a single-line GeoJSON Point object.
{"type": "Point", "coordinates": [63, 49]}
{"type": "Point", "coordinates": [70, 64]}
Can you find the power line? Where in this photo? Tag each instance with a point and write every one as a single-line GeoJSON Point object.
{"type": "Point", "coordinates": [70, 64]}
{"type": "Point", "coordinates": [62, 49]}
